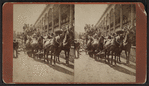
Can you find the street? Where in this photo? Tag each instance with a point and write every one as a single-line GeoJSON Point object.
{"type": "Point", "coordinates": [88, 69]}
{"type": "Point", "coordinates": [28, 69]}
{"type": "Point", "coordinates": [82, 69]}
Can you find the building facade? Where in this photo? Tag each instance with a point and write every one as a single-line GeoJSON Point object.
{"type": "Point", "coordinates": [54, 17]}
{"type": "Point", "coordinates": [116, 16]}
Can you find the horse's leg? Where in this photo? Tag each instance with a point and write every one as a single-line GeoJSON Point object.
{"type": "Point", "coordinates": [58, 57]}
{"type": "Point", "coordinates": [128, 57]}
{"type": "Point", "coordinates": [37, 54]}
{"type": "Point", "coordinates": [54, 58]}
{"type": "Point", "coordinates": [119, 56]}
{"type": "Point", "coordinates": [111, 57]}
{"type": "Point", "coordinates": [44, 54]}
{"type": "Point", "coordinates": [68, 58]}
{"type": "Point", "coordinates": [32, 53]}
{"type": "Point", "coordinates": [47, 56]}
{"type": "Point", "coordinates": [78, 53]}
{"type": "Point", "coordinates": [65, 54]}
{"type": "Point", "coordinates": [108, 57]}
{"type": "Point", "coordinates": [105, 56]}
{"type": "Point", "coordinates": [115, 57]}
{"type": "Point", "coordinates": [51, 57]}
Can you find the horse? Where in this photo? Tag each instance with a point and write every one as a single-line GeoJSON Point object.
{"type": "Point", "coordinates": [53, 46]}
{"type": "Point", "coordinates": [112, 46]}
{"type": "Point", "coordinates": [95, 45]}
{"type": "Point", "coordinates": [126, 45]}
{"type": "Point", "coordinates": [68, 40]}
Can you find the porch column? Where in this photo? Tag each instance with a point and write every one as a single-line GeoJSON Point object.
{"type": "Point", "coordinates": [114, 20]}
{"type": "Point", "coordinates": [106, 26]}
{"type": "Point", "coordinates": [52, 21]}
{"type": "Point", "coordinates": [48, 21]}
{"type": "Point", "coordinates": [71, 15]}
{"type": "Point", "coordinates": [109, 23]}
{"type": "Point", "coordinates": [59, 16]}
{"type": "Point", "coordinates": [42, 26]}
{"type": "Point", "coordinates": [121, 17]}
{"type": "Point", "coordinates": [132, 15]}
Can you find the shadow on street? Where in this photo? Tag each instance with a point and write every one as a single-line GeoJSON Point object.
{"type": "Point", "coordinates": [119, 68]}
{"type": "Point", "coordinates": [124, 70]}
{"type": "Point", "coordinates": [61, 69]}
{"type": "Point", "coordinates": [56, 67]}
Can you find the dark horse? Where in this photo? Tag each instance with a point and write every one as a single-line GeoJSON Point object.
{"type": "Point", "coordinates": [112, 47]}
{"type": "Point", "coordinates": [126, 45]}
{"type": "Point", "coordinates": [53, 45]}
{"type": "Point", "coordinates": [95, 45]}
{"type": "Point", "coordinates": [15, 47]}
{"type": "Point", "coordinates": [67, 42]}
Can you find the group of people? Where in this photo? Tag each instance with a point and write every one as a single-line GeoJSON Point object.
{"type": "Point", "coordinates": [55, 42]}
{"type": "Point", "coordinates": [113, 43]}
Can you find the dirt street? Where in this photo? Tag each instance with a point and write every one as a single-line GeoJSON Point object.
{"type": "Point", "coordinates": [88, 69]}
{"type": "Point", "coordinates": [28, 69]}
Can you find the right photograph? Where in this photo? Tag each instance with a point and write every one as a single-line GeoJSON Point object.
{"type": "Point", "coordinates": [105, 43]}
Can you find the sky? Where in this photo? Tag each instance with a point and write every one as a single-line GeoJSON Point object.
{"type": "Point", "coordinates": [25, 13]}
{"type": "Point", "coordinates": [84, 14]}
{"type": "Point", "coordinates": [87, 14]}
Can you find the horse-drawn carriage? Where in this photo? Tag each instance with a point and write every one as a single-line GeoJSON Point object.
{"type": "Point", "coordinates": [112, 45]}
{"type": "Point", "coordinates": [54, 43]}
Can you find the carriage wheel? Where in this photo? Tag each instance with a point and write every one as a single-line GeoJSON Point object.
{"type": "Point", "coordinates": [29, 54]}
{"type": "Point", "coordinates": [96, 57]}
{"type": "Point", "coordinates": [90, 54]}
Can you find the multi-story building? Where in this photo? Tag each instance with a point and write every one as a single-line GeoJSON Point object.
{"type": "Point", "coordinates": [54, 17]}
{"type": "Point", "coordinates": [116, 16]}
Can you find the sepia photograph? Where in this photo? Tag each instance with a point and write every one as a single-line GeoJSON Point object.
{"type": "Point", "coordinates": [74, 43]}
{"type": "Point", "coordinates": [105, 43]}
{"type": "Point", "coordinates": [43, 46]}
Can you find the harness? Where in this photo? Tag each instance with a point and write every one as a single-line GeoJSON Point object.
{"type": "Point", "coordinates": [65, 38]}
{"type": "Point", "coordinates": [56, 39]}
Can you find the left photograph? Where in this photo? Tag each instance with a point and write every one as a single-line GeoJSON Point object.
{"type": "Point", "coordinates": [43, 43]}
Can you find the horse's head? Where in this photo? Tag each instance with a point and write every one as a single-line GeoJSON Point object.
{"type": "Point", "coordinates": [129, 35]}
{"type": "Point", "coordinates": [68, 36]}
{"type": "Point", "coordinates": [101, 39]}
{"type": "Point", "coordinates": [58, 39]}
{"type": "Point", "coordinates": [119, 40]}
{"type": "Point", "coordinates": [40, 39]}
